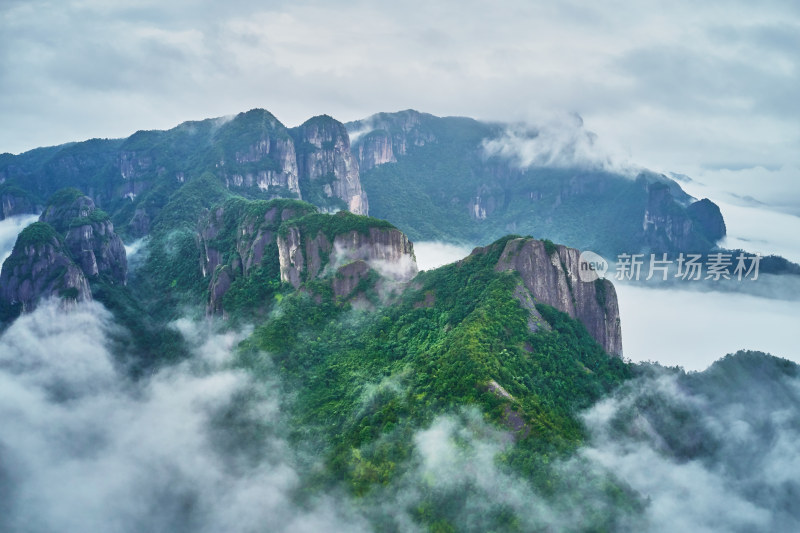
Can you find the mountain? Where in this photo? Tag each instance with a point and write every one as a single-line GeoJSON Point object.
{"type": "Point", "coordinates": [464, 175]}
{"type": "Point", "coordinates": [252, 154]}
{"type": "Point", "coordinates": [467, 177]}
{"type": "Point", "coordinates": [73, 243]}
{"type": "Point", "coordinates": [39, 266]}
{"type": "Point", "coordinates": [280, 348]}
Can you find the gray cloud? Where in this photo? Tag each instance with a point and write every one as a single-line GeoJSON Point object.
{"type": "Point", "coordinates": [200, 446]}
{"type": "Point", "coordinates": [9, 229]}
{"type": "Point", "coordinates": [557, 142]}
{"type": "Point", "coordinates": [83, 448]}
{"type": "Point", "coordinates": [711, 452]}
{"type": "Point", "coordinates": [692, 327]}
{"type": "Point", "coordinates": [679, 87]}
{"type": "Point", "coordinates": [433, 254]}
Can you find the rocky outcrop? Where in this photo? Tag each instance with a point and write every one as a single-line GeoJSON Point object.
{"type": "Point", "coordinates": [373, 149]}
{"type": "Point", "coordinates": [668, 225]}
{"type": "Point", "coordinates": [348, 277]}
{"type": "Point", "coordinates": [73, 243]}
{"type": "Point", "coordinates": [239, 238]}
{"type": "Point", "coordinates": [307, 253]}
{"type": "Point", "coordinates": [258, 152]}
{"type": "Point", "coordinates": [383, 137]}
{"type": "Point", "coordinates": [15, 201]}
{"type": "Point", "coordinates": [88, 235]}
{"type": "Point", "coordinates": [707, 219]}
{"type": "Point", "coordinates": [388, 251]}
{"type": "Point", "coordinates": [551, 276]}
{"type": "Point", "coordinates": [327, 168]}
{"type": "Point", "coordinates": [40, 266]}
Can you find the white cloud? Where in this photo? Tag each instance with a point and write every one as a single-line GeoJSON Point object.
{"type": "Point", "coordinates": [9, 229]}
{"type": "Point", "coordinates": [87, 449]}
{"type": "Point", "coordinates": [705, 450]}
{"type": "Point", "coordinates": [693, 328]}
{"type": "Point", "coordinates": [558, 142]}
{"type": "Point", "coordinates": [433, 254]}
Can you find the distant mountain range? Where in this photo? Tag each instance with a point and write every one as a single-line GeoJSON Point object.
{"type": "Point", "coordinates": [487, 394]}
{"type": "Point", "coordinates": [450, 179]}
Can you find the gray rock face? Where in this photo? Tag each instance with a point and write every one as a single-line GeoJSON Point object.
{"type": "Point", "coordinates": [291, 257]}
{"type": "Point", "coordinates": [98, 250]}
{"type": "Point", "coordinates": [708, 219]}
{"type": "Point", "coordinates": [385, 136]}
{"type": "Point", "coordinates": [252, 154]}
{"type": "Point", "coordinates": [90, 238]}
{"type": "Point", "coordinates": [667, 225]}
{"type": "Point", "coordinates": [348, 277]}
{"type": "Point", "coordinates": [72, 243]}
{"type": "Point", "coordinates": [139, 225]}
{"type": "Point", "coordinates": [254, 240]}
{"type": "Point", "coordinates": [40, 267]}
{"type": "Point", "coordinates": [373, 149]}
{"type": "Point", "coordinates": [15, 202]}
{"type": "Point", "coordinates": [553, 279]}
{"type": "Point", "coordinates": [280, 152]}
{"type": "Point", "coordinates": [324, 161]}
{"type": "Point", "coordinates": [386, 250]}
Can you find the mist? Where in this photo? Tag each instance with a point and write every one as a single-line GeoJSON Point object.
{"type": "Point", "coordinates": [9, 229]}
{"type": "Point", "coordinates": [715, 451]}
{"type": "Point", "coordinates": [203, 446]}
{"type": "Point", "coordinates": [693, 328]}
{"type": "Point", "coordinates": [560, 141]}
{"type": "Point", "coordinates": [433, 254]}
{"type": "Point", "coordinates": [195, 447]}
{"type": "Point", "coordinates": [760, 211]}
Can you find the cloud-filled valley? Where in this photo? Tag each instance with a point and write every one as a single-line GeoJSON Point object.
{"type": "Point", "coordinates": [198, 446]}
{"type": "Point", "coordinates": [202, 446]}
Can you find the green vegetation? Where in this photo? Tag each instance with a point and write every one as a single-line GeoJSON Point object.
{"type": "Point", "coordinates": [37, 234]}
{"type": "Point", "coordinates": [172, 276]}
{"type": "Point", "coordinates": [549, 247]}
{"type": "Point", "coordinates": [20, 194]}
{"type": "Point", "coordinates": [367, 381]}
{"type": "Point", "coordinates": [600, 292]}
{"type": "Point", "coordinates": [70, 293]}
{"type": "Point", "coordinates": [96, 216]}
{"type": "Point", "coordinates": [446, 175]}
{"type": "Point", "coordinates": [338, 224]}
{"type": "Point", "coordinates": [64, 197]}
{"type": "Point", "coordinates": [145, 342]}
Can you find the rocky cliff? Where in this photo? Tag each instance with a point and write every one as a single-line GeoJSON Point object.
{"type": "Point", "coordinates": [72, 244]}
{"type": "Point", "coordinates": [373, 149]}
{"type": "Point", "coordinates": [239, 244]}
{"type": "Point", "coordinates": [40, 266]}
{"type": "Point", "coordinates": [383, 137]}
{"type": "Point", "coordinates": [328, 170]}
{"type": "Point", "coordinates": [551, 276]}
{"type": "Point", "coordinates": [707, 219]}
{"type": "Point", "coordinates": [669, 224]}
{"type": "Point", "coordinates": [252, 153]}
{"type": "Point", "coordinates": [88, 235]}
{"type": "Point", "coordinates": [258, 151]}
{"type": "Point", "coordinates": [249, 248]}
{"type": "Point", "coordinates": [477, 181]}
{"type": "Point", "coordinates": [346, 247]}
{"type": "Point", "coordinates": [16, 201]}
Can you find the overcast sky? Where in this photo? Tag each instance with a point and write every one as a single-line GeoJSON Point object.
{"type": "Point", "coordinates": [680, 84]}
{"type": "Point", "coordinates": [706, 89]}
{"type": "Point", "coordinates": [709, 89]}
